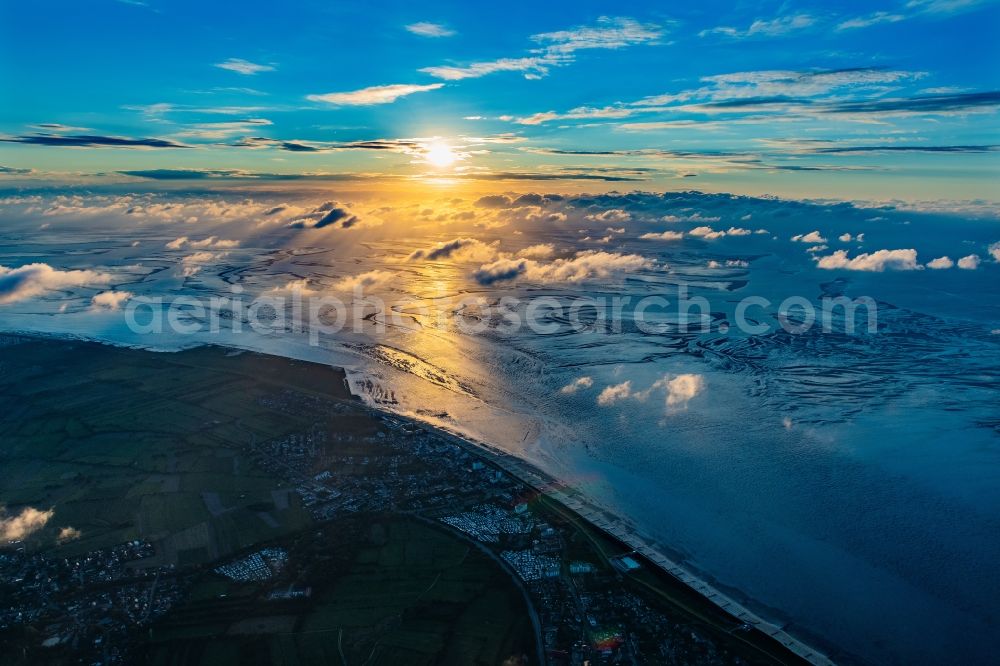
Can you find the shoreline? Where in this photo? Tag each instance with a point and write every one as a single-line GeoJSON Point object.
{"type": "Point", "coordinates": [600, 520]}
{"type": "Point", "coordinates": [591, 515]}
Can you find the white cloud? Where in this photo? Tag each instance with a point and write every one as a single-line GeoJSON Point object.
{"type": "Point", "coordinates": [22, 525]}
{"type": "Point", "coordinates": [706, 232]}
{"type": "Point", "coordinates": [940, 263]}
{"type": "Point", "coordinates": [712, 234]}
{"type": "Point", "coordinates": [787, 24]}
{"type": "Point", "coordinates": [784, 87]}
{"type": "Point", "coordinates": [373, 95]}
{"type": "Point", "coordinates": [609, 33]}
{"type": "Point", "coordinates": [913, 8]}
{"type": "Point", "coordinates": [110, 300]}
{"type": "Point", "coordinates": [579, 113]}
{"type": "Point", "coordinates": [533, 67]}
{"type": "Point", "coordinates": [664, 235]}
{"type": "Point", "coordinates": [616, 393]}
{"type": "Point", "coordinates": [426, 29]}
{"type": "Point", "coordinates": [210, 242]}
{"type": "Point", "coordinates": [736, 86]}
{"type": "Point", "coordinates": [969, 263]}
{"type": "Point", "coordinates": [244, 67]}
{"type": "Point", "coordinates": [944, 6]}
{"type": "Point", "coordinates": [901, 260]}
{"type": "Point", "coordinates": [611, 215]}
{"type": "Point", "coordinates": [165, 208]}
{"type": "Point", "coordinates": [782, 25]}
{"type": "Point", "coordinates": [694, 217]}
{"type": "Point", "coordinates": [869, 20]}
{"type": "Point", "coordinates": [682, 388]}
{"type": "Point", "coordinates": [192, 264]}
{"type": "Point", "coordinates": [811, 237]}
{"type": "Point", "coordinates": [588, 265]}
{"type": "Point", "coordinates": [68, 534]}
{"type": "Point", "coordinates": [17, 284]}
{"type": "Point", "coordinates": [203, 257]}
{"type": "Point", "coordinates": [576, 385]}
{"type": "Point", "coordinates": [845, 238]}
{"type": "Point", "coordinates": [557, 48]}
{"type": "Point", "coordinates": [994, 251]}
{"type": "Point", "coordinates": [300, 286]}
{"type": "Point", "coordinates": [540, 251]}
{"type": "Point", "coordinates": [459, 249]}
{"type": "Point", "coordinates": [368, 280]}
{"type": "Point", "coordinates": [222, 130]}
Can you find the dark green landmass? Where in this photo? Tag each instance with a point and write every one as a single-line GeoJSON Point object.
{"type": "Point", "coordinates": [217, 507]}
{"type": "Point", "coordinates": [389, 591]}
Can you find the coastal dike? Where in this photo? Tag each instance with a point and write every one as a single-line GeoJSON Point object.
{"type": "Point", "coordinates": [765, 636]}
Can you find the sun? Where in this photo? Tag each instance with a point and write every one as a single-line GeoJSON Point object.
{"type": "Point", "coordinates": [440, 155]}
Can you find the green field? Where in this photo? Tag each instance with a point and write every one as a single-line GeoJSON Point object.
{"type": "Point", "coordinates": [124, 444]}
{"type": "Point", "coordinates": [396, 592]}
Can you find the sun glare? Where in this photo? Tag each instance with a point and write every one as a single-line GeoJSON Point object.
{"type": "Point", "coordinates": [440, 155]}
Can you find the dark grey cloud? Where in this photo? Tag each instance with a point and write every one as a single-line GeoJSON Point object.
{"type": "Point", "coordinates": [560, 151]}
{"type": "Point", "coordinates": [444, 250]}
{"type": "Point", "coordinates": [337, 217]}
{"type": "Point", "coordinates": [183, 174]}
{"type": "Point", "coordinates": [813, 167]}
{"type": "Point", "coordinates": [232, 174]}
{"type": "Point", "coordinates": [754, 102]}
{"type": "Point", "coordinates": [565, 175]}
{"type": "Point", "coordinates": [504, 201]}
{"type": "Point", "coordinates": [90, 141]}
{"type": "Point", "coordinates": [298, 147]}
{"type": "Point", "coordinates": [12, 171]}
{"type": "Point", "coordinates": [327, 214]}
{"type": "Point", "coordinates": [494, 201]}
{"type": "Point", "coordinates": [471, 249]}
{"type": "Point", "coordinates": [642, 152]}
{"type": "Point", "coordinates": [391, 145]}
{"type": "Point", "coordinates": [500, 271]}
{"type": "Point", "coordinates": [921, 104]}
{"type": "Point", "coordinates": [265, 142]}
{"type": "Point", "coordinates": [380, 144]}
{"type": "Point", "coordinates": [57, 127]}
{"type": "Point", "coordinates": [530, 199]}
{"type": "Point", "coordinates": [989, 148]}
{"type": "Point", "coordinates": [731, 159]}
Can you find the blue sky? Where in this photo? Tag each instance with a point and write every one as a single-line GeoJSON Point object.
{"type": "Point", "coordinates": [846, 100]}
